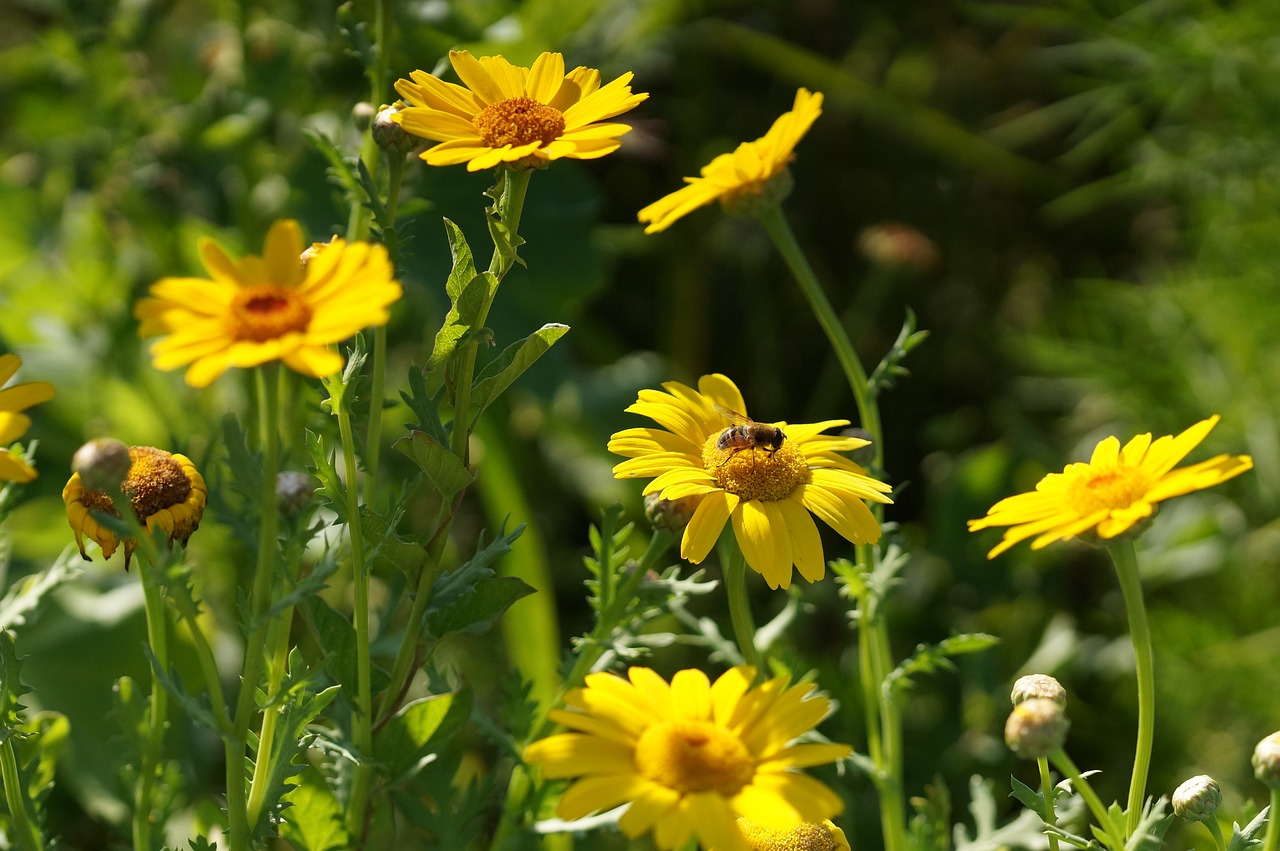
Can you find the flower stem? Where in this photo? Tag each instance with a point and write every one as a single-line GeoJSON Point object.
{"type": "Point", "coordinates": [157, 716]}
{"type": "Point", "coordinates": [362, 734]}
{"type": "Point", "coordinates": [268, 389]}
{"type": "Point", "coordinates": [1110, 832]}
{"type": "Point", "coordinates": [1046, 785]}
{"type": "Point", "coordinates": [15, 796]}
{"type": "Point", "coordinates": [734, 566]}
{"type": "Point", "coordinates": [1125, 557]}
{"type": "Point", "coordinates": [1271, 842]}
{"type": "Point", "coordinates": [775, 224]}
{"type": "Point", "coordinates": [1215, 830]}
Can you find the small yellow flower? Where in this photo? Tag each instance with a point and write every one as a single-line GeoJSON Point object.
{"type": "Point", "coordinates": [509, 114]}
{"type": "Point", "coordinates": [766, 492]}
{"type": "Point", "coordinates": [280, 306]}
{"type": "Point", "coordinates": [810, 836]}
{"type": "Point", "coordinates": [1118, 488]}
{"type": "Point", "coordinates": [13, 425]}
{"type": "Point", "coordinates": [691, 756]}
{"type": "Point", "coordinates": [166, 492]}
{"type": "Point", "coordinates": [753, 175]}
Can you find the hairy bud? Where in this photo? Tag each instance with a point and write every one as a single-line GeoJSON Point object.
{"type": "Point", "coordinates": [1036, 727]}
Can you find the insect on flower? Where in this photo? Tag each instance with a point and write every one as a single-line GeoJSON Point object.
{"type": "Point", "coordinates": [746, 433]}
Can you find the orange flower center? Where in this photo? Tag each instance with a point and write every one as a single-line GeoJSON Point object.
{"type": "Point", "coordinates": [262, 312]}
{"type": "Point", "coordinates": [755, 471]}
{"type": "Point", "coordinates": [694, 756]}
{"type": "Point", "coordinates": [519, 121]}
{"type": "Point", "coordinates": [155, 481]}
{"type": "Point", "coordinates": [1109, 489]}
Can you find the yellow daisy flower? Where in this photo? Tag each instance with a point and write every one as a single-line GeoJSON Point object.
{"type": "Point", "coordinates": [746, 178]}
{"type": "Point", "coordinates": [767, 489]}
{"type": "Point", "coordinates": [690, 757]}
{"type": "Point", "coordinates": [13, 424]}
{"type": "Point", "coordinates": [810, 836]}
{"type": "Point", "coordinates": [166, 491]}
{"type": "Point", "coordinates": [280, 306]}
{"type": "Point", "coordinates": [1117, 488]}
{"type": "Point", "coordinates": [509, 114]}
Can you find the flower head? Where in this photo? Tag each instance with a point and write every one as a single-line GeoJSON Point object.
{"type": "Point", "coordinates": [691, 756]}
{"type": "Point", "coordinates": [809, 836]}
{"type": "Point", "coordinates": [1266, 761]}
{"type": "Point", "coordinates": [13, 424]}
{"type": "Point", "coordinates": [508, 114]}
{"type": "Point", "coordinates": [753, 176]}
{"type": "Point", "coordinates": [767, 488]}
{"type": "Point", "coordinates": [1116, 489]}
{"type": "Point", "coordinates": [166, 492]}
{"type": "Point", "coordinates": [1197, 799]}
{"type": "Point", "coordinates": [274, 307]}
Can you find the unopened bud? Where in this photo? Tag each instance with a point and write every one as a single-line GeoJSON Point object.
{"type": "Point", "coordinates": [1038, 685]}
{"type": "Point", "coordinates": [362, 115]}
{"type": "Point", "coordinates": [102, 464]}
{"type": "Point", "coordinates": [388, 133]}
{"type": "Point", "coordinates": [1266, 761]}
{"type": "Point", "coordinates": [295, 491]}
{"type": "Point", "coordinates": [1197, 799]}
{"type": "Point", "coordinates": [1036, 727]}
{"type": "Point", "coordinates": [893, 245]}
{"type": "Point", "coordinates": [808, 836]}
{"type": "Point", "coordinates": [670, 515]}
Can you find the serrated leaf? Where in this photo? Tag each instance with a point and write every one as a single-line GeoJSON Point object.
{"type": "Point", "coordinates": [24, 596]}
{"type": "Point", "coordinates": [464, 265]}
{"type": "Point", "coordinates": [331, 489]}
{"type": "Point", "coordinates": [442, 468]}
{"type": "Point", "coordinates": [1030, 798]}
{"type": "Point", "coordinates": [335, 634]}
{"type": "Point", "coordinates": [388, 548]}
{"type": "Point", "coordinates": [450, 588]}
{"type": "Point", "coordinates": [44, 737]}
{"type": "Point", "coordinates": [11, 687]}
{"type": "Point", "coordinates": [480, 610]}
{"type": "Point", "coordinates": [313, 820]}
{"type": "Point", "coordinates": [197, 707]}
{"type": "Point", "coordinates": [403, 745]}
{"type": "Point", "coordinates": [933, 657]}
{"type": "Point", "coordinates": [1243, 838]}
{"type": "Point", "coordinates": [503, 370]}
{"type": "Point", "coordinates": [245, 466]}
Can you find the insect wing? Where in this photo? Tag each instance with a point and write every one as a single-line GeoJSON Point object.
{"type": "Point", "coordinates": [732, 415]}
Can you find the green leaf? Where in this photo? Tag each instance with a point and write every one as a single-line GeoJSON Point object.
{"type": "Point", "coordinates": [403, 744]}
{"type": "Point", "coordinates": [445, 471]}
{"type": "Point", "coordinates": [464, 266]}
{"type": "Point", "coordinates": [335, 634]}
{"type": "Point", "coordinates": [1247, 837]}
{"type": "Point", "coordinates": [1030, 798]}
{"type": "Point", "coordinates": [313, 819]}
{"type": "Point", "coordinates": [503, 370]}
{"type": "Point", "coordinates": [11, 687]}
{"type": "Point", "coordinates": [44, 737]}
{"type": "Point", "coordinates": [388, 548]}
{"type": "Point", "coordinates": [331, 489]}
{"type": "Point", "coordinates": [479, 610]}
{"type": "Point", "coordinates": [25, 595]}
{"type": "Point", "coordinates": [929, 658]}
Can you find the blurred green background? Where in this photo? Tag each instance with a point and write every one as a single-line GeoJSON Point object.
{"type": "Point", "coordinates": [1078, 199]}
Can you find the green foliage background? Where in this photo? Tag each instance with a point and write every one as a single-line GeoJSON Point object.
{"type": "Point", "coordinates": [1099, 180]}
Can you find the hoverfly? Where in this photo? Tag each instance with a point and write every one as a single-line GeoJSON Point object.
{"type": "Point", "coordinates": [746, 433]}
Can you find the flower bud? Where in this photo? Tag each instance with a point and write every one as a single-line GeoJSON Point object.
{"type": "Point", "coordinates": [1036, 727]}
{"type": "Point", "coordinates": [295, 491]}
{"type": "Point", "coordinates": [893, 245]}
{"type": "Point", "coordinates": [102, 463]}
{"type": "Point", "coordinates": [362, 115]}
{"type": "Point", "coordinates": [1266, 761]}
{"type": "Point", "coordinates": [1197, 799]}
{"type": "Point", "coordinates": [1038, 685]}
{"type": "Point", "coordinates": [670, 515]}
{"type": "Point", "coordinates": [388, 133]}
{"type": "Point", "coordinates": [808, 836]}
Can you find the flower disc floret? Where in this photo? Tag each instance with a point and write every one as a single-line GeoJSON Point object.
{"type": "Point", "coordinates": [810, 836]}
{"type": "Point", "coordinates": [690, 756]}
{"type": "Point", "coordinates": [508, 114]}
{"type": "Point", "coordinates": [164, 490]}
{"type": "Point", "coordinates": [1111, 494]}
{"type": "Point", "coordinates": [768, 496]}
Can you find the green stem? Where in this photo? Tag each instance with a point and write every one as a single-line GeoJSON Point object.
{"type": "Point", "coordinates": [1110, 833]}
{"type": "Point", "coordinates": [362, 736]}
{"type": "Point", "coordinates": [1215, 830]}
{"type": "Point", "coordinates": [734, 566]}
{"type": "Point", "coordinates": [1047, 787]}
{"type": "Point", "coordinates": [1125, 556]}
{"type": "Point", "coordinates": [268, 388]}
{"type": "Point", "coordinates": [15, 795]}
{"type": "Point", "coordinates": [1271, 842]}
{"type": "Point", "coordinates": [157, 716]}
{"type": "Point", "coordinates": [775, 224]}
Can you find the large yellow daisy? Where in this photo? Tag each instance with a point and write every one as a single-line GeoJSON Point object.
{"type": "Point", "coordinates": [766, 490]}
{"type": "Point", "coordinates": [13, 424]}
{"type": "Point", "coordinates": [280, 306]}
{"type": "Point", "coordinates": [509, 114]}
{"type": "Point", "coordinates": [165, 490]}
{"type": "Point", "coordinates": [1117, 488]}
{"type": "Point", "coordinates": [690, 757]}
{"type": "Point", "coordinates": [748, 176]}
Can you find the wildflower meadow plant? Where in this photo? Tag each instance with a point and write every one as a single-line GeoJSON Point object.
{"type": "Point", "coordinates": [308, 596]}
